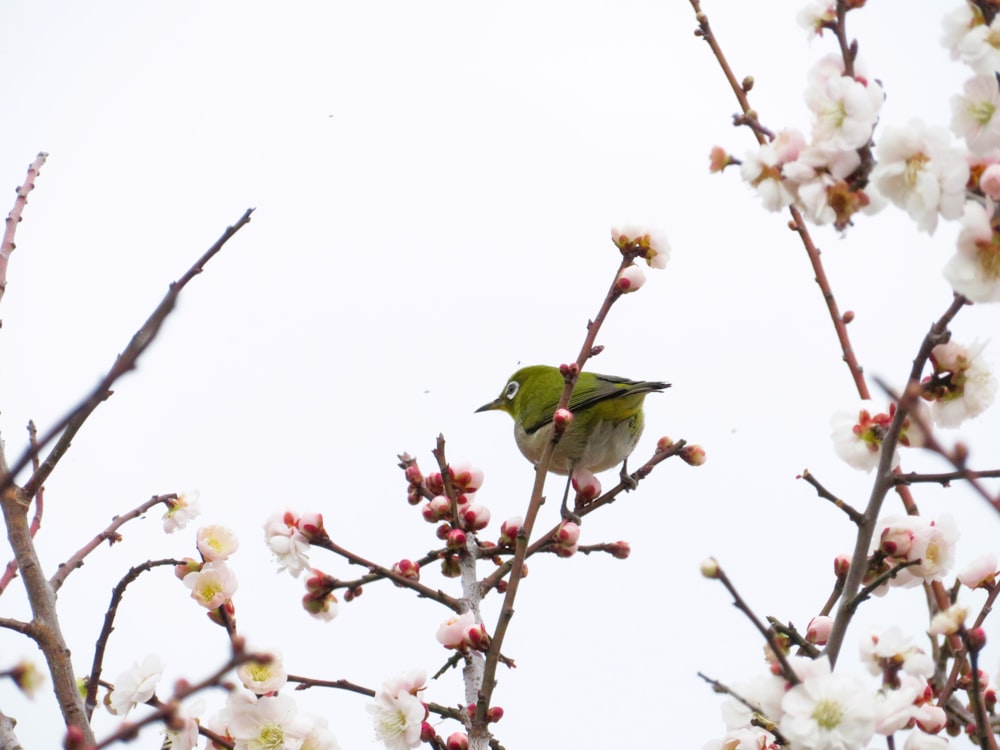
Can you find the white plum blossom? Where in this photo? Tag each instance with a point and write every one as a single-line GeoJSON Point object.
{"type": "Point", "coordinates": [963, 385]}
{"type": "Point", "coordinates": [181, 511]}
{"type": "Point", "coordinates": [974, 114]}
{"type": "Point", "coordinates": [398, 711]}
{"type": "Point", "coordinates": [267, 723]}
{"type": "Point", "coordinates": [890, 648]}
{"type": "Point", "coordinates": [981, 572]}
{"type": "Point", "coordinates": [846, 108]}
{"type": "Point", "coordinates": [974, 269]}
{"type": "Point", "coordinates": [288, 544]}
{"type": "Point", "coordinates": [763, 169]}
{"type": "Point", "coordinates": [815, 172]}
{"type": "Point", "coordinates": [656, 249]}
{"type": "Point", "coordinates": [899, 707]}
{"type": "Point", "coordinates": [857, 436]}
{"type": "Point", "coordinates": [213, 585]}
{"type": "Point", "coordinates": [817, 13]}
{"type": "Point", "coordinates": [763, 691]}
{"type": "Point", "coordinates": [971, 40]}
{"type": "Point", "coordinates": [217, 542]}
{"type": "Point", "coordinates": [261, 679]}
{"type": "Point", "coordinates": [948, 621]}
{"type": "Point", "coordinates": [932, 543]}
{"type": "Point", "coordinates": [136, 685]}
{"type": "Point", "coordinates": [921, 172]}
{"type": "Point", "coordinates": [828, 711]}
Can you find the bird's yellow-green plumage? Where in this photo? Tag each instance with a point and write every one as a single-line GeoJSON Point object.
{"type": "Point", "coordinates": [607, 416]}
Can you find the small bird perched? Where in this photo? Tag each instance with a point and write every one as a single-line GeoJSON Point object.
{"type": "Point", "coordinates": [607, 416]}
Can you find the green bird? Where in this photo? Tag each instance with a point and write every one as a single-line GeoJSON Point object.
{"type": "Point", "coordinates": [607, 416]}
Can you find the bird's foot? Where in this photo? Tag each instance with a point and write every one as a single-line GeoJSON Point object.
{"type": "Point", "coordinates": [629, 481]}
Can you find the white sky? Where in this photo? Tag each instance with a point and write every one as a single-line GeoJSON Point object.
{"type": "Point", "coordinates": [434, 185]}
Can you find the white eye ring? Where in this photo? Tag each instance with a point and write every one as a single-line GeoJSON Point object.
{"type": "Point", "coordinates": [511, 390]}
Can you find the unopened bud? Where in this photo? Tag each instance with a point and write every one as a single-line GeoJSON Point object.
{"type": "Point", "coordinates": [620, 550]}
{"type": "Point", "coordinates": [664, 444]}
{"type": "Point", "coordinates": [494, 714]}
{"type": "Point", "coordinates": [841, 565]}
{"type": "Point", "coordinates": [693, 455]}
{"type": "Point", "coordinates": [630, 279]}
{"type": "Point", "coordinates": [710, 567]}
{"type": "Point", "coordinates": [457, 741]}
{"type": "Point", "coordinates": [819, 629]}
{"type": "Point", "coordinates": [407, 569]}
{"type": "Point", "coordinates": [456, 539]}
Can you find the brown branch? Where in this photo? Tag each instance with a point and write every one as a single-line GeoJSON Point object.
{"type": "Point", "coordinates": [67, 427]}
{"type": "Point", "coordinates": [110, 535]}
{"type": "Point", "coordinates": [884, 481]}
{"type": "Point", "coordinates": [182, 689]}
{"type": "Point", "coordinates": [109, 619]}
{"type": "Point", "coordinates": [824, 493]}
{"type": "Point", "coordinates": [45, 620]}
{"type": "Point", "coordinates": [769, 633]}
{"type": "Point", "coordinates": [10, 572]}
{"type": "Point", "coordinates": [378, 571]}
{"type": "Point", "coordinates": [587, 350]}
{"type": "Point", "coordinates": [14, 217]}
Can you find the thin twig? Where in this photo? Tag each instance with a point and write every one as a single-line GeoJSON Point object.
{"type": "Point", "coordinates": [67, 427]}
{"type": "Point", "coordinates": [110, 535]}
{"type": "Point", "coordinates": [14, 217]}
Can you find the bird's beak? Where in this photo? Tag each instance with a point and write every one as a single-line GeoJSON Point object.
{"type": "Point", "coordinates": [490, 406]}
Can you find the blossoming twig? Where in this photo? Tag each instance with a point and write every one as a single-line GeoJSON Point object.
{"type": "Point", "coordinates": [110, 535]}
{"type": "Point", "coordinates": [587, 350]}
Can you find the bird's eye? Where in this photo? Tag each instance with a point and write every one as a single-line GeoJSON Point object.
{"type": "Point", "coordinates": [511, 389]}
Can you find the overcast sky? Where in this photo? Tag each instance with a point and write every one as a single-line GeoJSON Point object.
{"type": "Point", "coordinates": [434, 185]}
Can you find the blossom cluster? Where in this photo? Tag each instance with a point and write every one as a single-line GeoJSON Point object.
{"type": "Point", "coordinates": [837, 172]}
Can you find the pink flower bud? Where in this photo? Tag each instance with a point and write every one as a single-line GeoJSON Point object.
{"type": "Point", "coordinates": [620, 550]}
{"type": "Point", "coordinates": [664, 444]}
{"type": "Point", "coordinates": [477, 638]}
{"type": "Point", "coordinates": [562, 419]}
{"type": "Point", "coordinates": [443, 531]}
{"type": "Point", "coordinates": [819, 630]}
{"type": "Point", "coordinates": [457, 741]}
{"type": "Point", "coordinates": [567, 534]}
{"type": "Point", "coordinates": [494, 714]}
{"type": "Point", "coordinates": [509, 530]}
{"type": "Point", "coordinates": [451, 632]}
{"type": "Point", "coordinates": [630, 279]}
{"type": "Point", "coordinates": [435, 484]}
{"type": "Point", "coordinates": [437, 507]}
{"type": "Point", "coordinates": [693, 455]}
{"type": "Point", "coordinates": [841, 564]}
{"type": "Point", "coordinates": [566, 550]}
{"type": "Point", "coordinates": [413, 475]}
{"type": "Point", "coordinates": [587, 485]}
{"type": "Point", "coordinates": [311, 525]}
{"type": "Point", "coordinates": [427, 733]}
{"type": "Point", "coordinates": [476, 517]}
{"type": "Point", "coordinates": [467, 477]}
{"type": "Point", "coordinates": [189, 565]}
{"type": "Point", "coordinates": [456, 539]}
{"type": "Point", "coordinates": [407, 569]}
{"type": "Point", "coordinates": [977, 639]}
{"type": "Point", "coordinates": [896, 541]}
